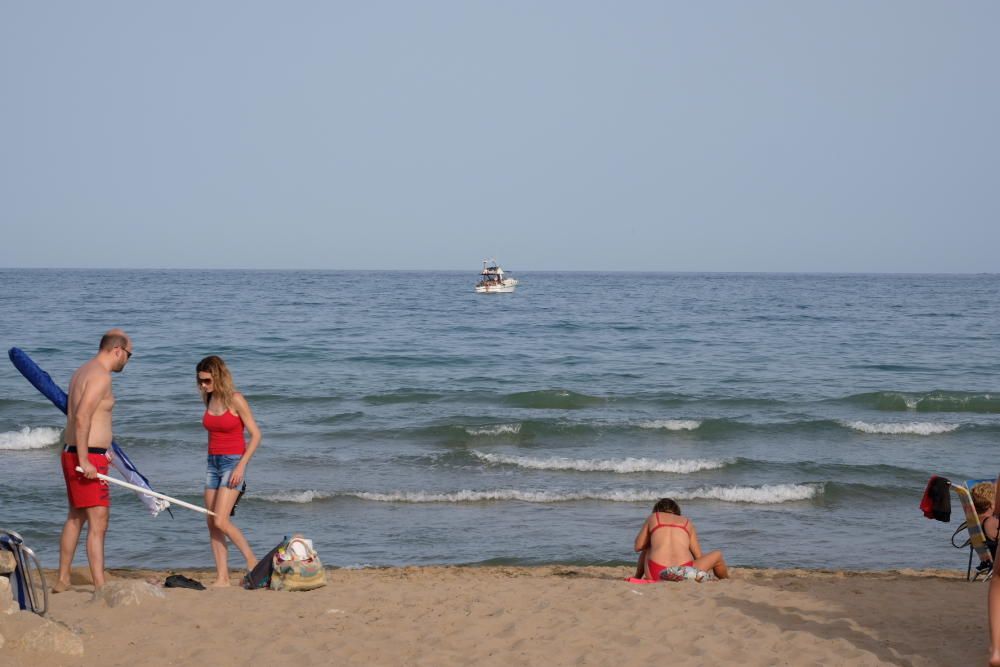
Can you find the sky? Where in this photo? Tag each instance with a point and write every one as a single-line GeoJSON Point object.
{"type": "Point", "coordinates": [553, 135]}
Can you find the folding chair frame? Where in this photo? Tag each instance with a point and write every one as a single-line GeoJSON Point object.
{"type": "Point", "coordinates": [969, 576]}
{"type": "Point", "coordinates": [28, 595]}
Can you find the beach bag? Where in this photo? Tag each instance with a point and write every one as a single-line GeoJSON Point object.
{"type": "Point", "coordinates": [296, 566]}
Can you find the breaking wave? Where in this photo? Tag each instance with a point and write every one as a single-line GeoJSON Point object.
{"type": "Point", "coordinates": [293, 496]}
{"type": "Point", "coordinates": [672, 424]}
{"type": "Point", "coordinates": [622, 466]}
{"type": "Point", "coordinates": [933, 401]}
{"type": "Point", "coordinates": [769, 494]}
{"type": "Point", "coordinates": [30, 438]}
{"type": "Point", "coordinates": [763, 495]}
{"type": "Point", "coordinates": [494, 429]}
{"type": "Point", "coordinates": [904, 428]}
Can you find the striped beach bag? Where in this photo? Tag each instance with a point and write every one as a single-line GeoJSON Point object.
{"type": "Point", "coordinates": [296, 566]}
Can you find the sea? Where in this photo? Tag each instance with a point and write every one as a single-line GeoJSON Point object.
{"type": "Point", "coordinates": [406, 420]}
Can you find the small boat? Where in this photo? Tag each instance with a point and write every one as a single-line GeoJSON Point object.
{"type": "Point", "coordinates": [492, 279]}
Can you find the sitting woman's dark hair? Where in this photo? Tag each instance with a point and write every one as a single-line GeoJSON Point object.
{"type": "Point", "coordinates": [667, 506]}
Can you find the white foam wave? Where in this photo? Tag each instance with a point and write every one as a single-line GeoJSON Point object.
{"type": "Point", "coordinates": [464, 496]}
{"type": "Point", "coordinates": [621, 466]}
{"type": "Point", "coordinates": [495, 429]}
{"type": "Point", "coordinates": [293, 496]}
{"type": "Point", "coordinates": [30, 438]}
{"type": "Point", "coordinates": [672, 424]}
{"type": "Point", "coordinates": [903, 428]}
{"type": "Point", "coordinates": [769, 494]}
{"type": "Point", "coordinates": [763, 495]}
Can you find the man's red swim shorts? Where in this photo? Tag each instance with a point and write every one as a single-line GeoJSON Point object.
{"type": "Point", "coordinates": [85, 492]}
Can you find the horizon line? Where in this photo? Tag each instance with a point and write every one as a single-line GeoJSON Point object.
{"type": "Point", "coordinates": [476, 271]}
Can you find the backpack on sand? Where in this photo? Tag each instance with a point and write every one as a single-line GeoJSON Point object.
{"type": "Point", "coordinates": [296, 566]}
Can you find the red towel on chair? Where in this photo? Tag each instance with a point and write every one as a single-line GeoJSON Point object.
{"type": "Point", "coordinates": [936, 503]}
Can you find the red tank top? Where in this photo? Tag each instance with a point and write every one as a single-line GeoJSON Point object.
{"type": "Point", "coordinates": [225, 433]}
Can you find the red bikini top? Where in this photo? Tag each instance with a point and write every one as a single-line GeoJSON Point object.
{"type": "Point", "coordinates": [660, 524]}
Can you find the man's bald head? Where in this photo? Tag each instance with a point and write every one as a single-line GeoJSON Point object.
{"type": "Point", "coordinates": [114, 338]}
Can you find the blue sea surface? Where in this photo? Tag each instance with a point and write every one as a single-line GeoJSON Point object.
{"type": "Point", "coordinates": [408, 420]}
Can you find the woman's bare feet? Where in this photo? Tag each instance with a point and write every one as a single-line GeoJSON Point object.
{"type": "Point", "coordinates": [220, 583]}
{"type": "Point", "coordinates": [60, 586]}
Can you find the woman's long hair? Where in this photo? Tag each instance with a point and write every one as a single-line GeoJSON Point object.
{"type": "Point", "coordinates": [222, 380]}
{"type": "Point", "coordinates": [667, 506]}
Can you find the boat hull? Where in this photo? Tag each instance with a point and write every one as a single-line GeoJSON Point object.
{"type": "Point", "coordinates": [494, 289]}
{"type": "Point", "coordinates": [506, 287]}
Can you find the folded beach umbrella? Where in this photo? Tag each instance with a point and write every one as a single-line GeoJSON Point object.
{"type": "Point", "coordinates": [44, 383]}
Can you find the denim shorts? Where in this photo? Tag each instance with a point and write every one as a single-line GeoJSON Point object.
{"type": "Point", "coordinates": [220, 467]}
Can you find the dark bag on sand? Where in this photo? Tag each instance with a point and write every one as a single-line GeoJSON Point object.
{"type": "Point", "coordinates": [260, 575]}
{"type": "Point", "coordinates": [936, 503]}
{"type": "Point", "coordinates": [180, 581]}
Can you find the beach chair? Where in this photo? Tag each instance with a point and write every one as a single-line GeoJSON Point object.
{"type": "Point", "coordinates": [28, 581]}
{"type": "Point", "coordinates": [975, 540]}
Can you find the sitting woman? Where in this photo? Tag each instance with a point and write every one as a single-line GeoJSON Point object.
{"type": "Point", "coordinates": [983, 499]}
{"type": "Point", "coordinates": [669, 540]}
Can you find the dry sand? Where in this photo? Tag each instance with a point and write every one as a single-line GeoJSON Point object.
{"type": "Point", "coordinates": [439, 616]}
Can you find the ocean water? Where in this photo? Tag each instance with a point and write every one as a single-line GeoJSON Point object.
{"type": "Point", "coordinates": [407, 420]}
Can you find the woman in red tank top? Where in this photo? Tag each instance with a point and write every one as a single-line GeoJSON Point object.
{"type": "Point", "coordinates": [227, 415]}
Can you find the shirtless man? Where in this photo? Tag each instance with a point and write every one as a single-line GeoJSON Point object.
{"type": "Point", "coordinates": [88, 443]}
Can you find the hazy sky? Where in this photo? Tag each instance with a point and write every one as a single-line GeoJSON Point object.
{"type": "Point", "coordinates": [672, 136]}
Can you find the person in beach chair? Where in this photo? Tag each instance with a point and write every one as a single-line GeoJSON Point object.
{"type": "Point", "coordinates": [668, 540]}
{"type": "Point", "coordinates": [984, 499]}
{"type": "Point", "coordinates": [993, 598]}
{"type": "Point", "coordinates": [977, 540]}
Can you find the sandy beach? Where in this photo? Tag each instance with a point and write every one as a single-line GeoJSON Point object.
{"type": "Point", "coordinates": [551, 615]}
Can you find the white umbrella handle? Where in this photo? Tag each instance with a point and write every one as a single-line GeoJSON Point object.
{"type": "Point", "coordinates": [147, 492]}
